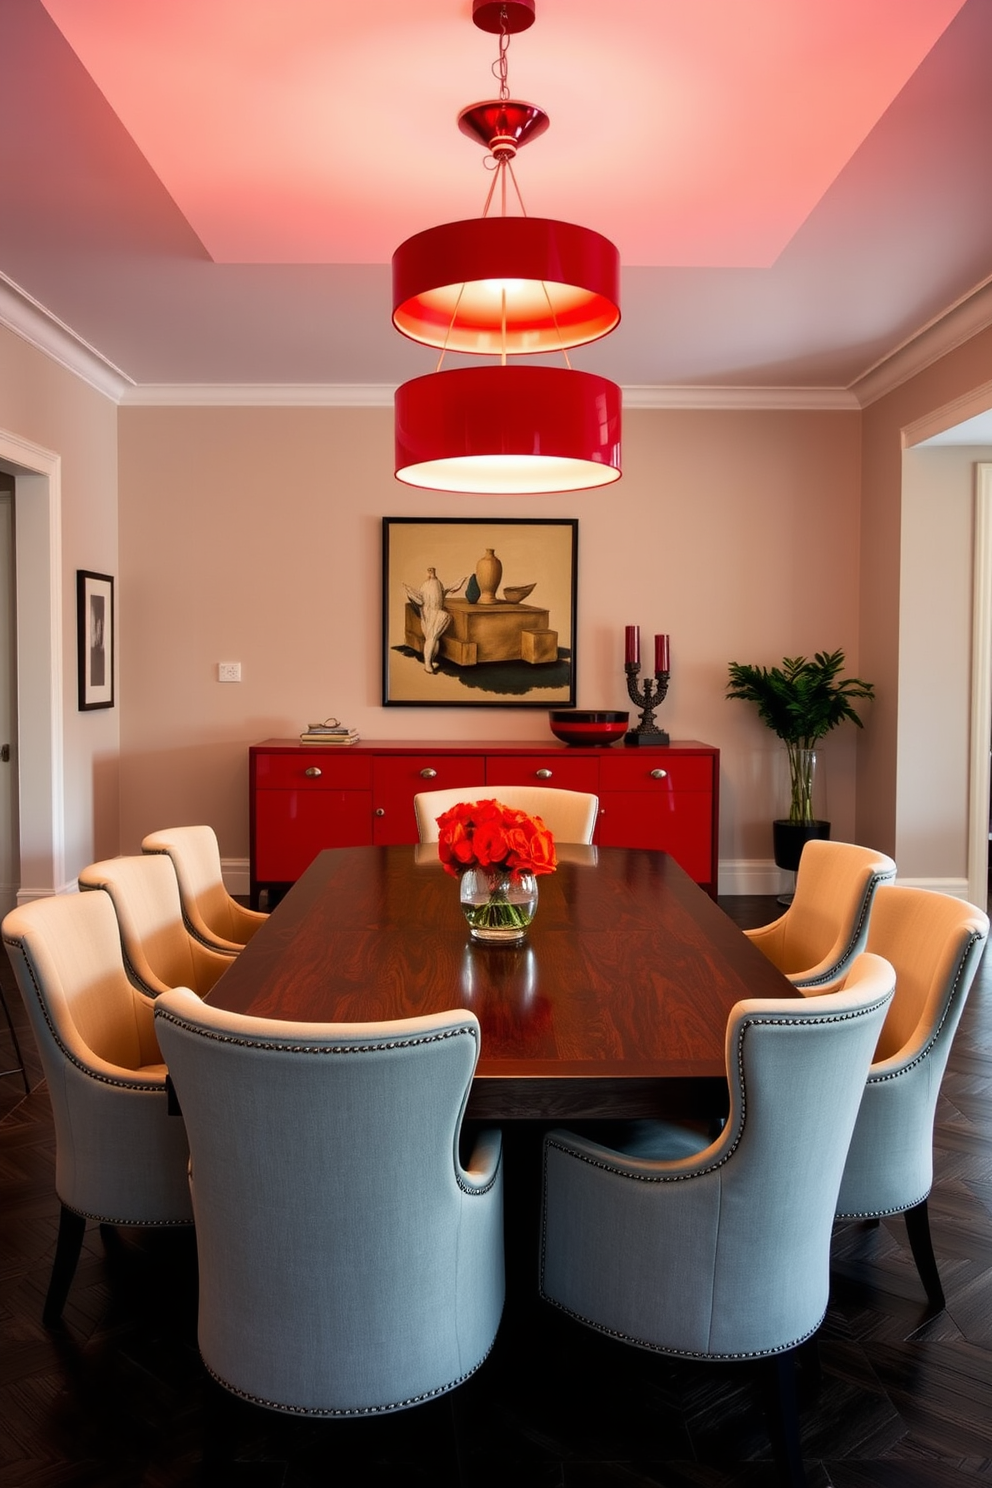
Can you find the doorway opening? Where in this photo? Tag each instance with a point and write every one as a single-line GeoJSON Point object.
{"type": "Point", "coordinates": [38, 580]}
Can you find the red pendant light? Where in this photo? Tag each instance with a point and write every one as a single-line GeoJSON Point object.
{"type": "Point", "coordinates": [504, 286]}
{"type": "Point", "coordinates": [475, 430]}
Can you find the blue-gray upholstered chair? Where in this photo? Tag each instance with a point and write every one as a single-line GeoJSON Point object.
{"type": "Point", "coordinates": [209, 912]}
{"type": "Point", "coordinates": [570, 816]}
{"type": "Point", "coordinates": [159, 951]}
{"type": "Point", "coordinates": [826, 925]}
{"type": "Point", "coordinates": [120, 1158]}
{"type": "Point", "coordinates": [722, 1250]}
{"type": "Point", "coordinates": [350, 1264]}
{"type": "Point", "coordinates": [935, 943]}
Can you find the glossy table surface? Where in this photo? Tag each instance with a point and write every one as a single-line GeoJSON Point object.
{"type": "Point", "coordinates": [614, 1006]}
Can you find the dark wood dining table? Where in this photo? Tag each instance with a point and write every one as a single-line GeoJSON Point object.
{"type": "Point", "coordinates": [615, 1005]}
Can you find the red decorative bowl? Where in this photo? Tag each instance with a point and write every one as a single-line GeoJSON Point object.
{"type": "Point", "coordinates": [579, 726]}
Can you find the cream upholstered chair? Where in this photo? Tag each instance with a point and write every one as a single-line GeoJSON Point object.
{"type": "Point", "coordinates": [722, 1251]}
{"type": "Point", "coordinates": [349, 1263]}
{"type": "Point", "coordinates": [209, 912]}
{"type": "Point", "coordinates": [159, 951]}
{"type": "Point", "coordinates": [570, 816]}
{"type": "Point", "coordinates": [120, 1158]}
{"type": "Point", "coordinates": [826, 925]}
{"type": "Point", "coordinates": [935, 943]}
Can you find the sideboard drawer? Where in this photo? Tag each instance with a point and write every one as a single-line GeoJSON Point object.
{"type": "Point", "coordinates": [556, 770]}
{"type": "Point", "coordinates": [626, 772]}
{"type": "Point", "coordinates": [313, 769]}
{"type": "Point", "coordinates": [397, 779]}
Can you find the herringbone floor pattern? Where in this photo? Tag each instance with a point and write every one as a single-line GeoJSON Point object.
{"type": "Point", "coordinates": [117, 1398]}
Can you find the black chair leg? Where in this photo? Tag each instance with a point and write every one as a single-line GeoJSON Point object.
{"type": "Point", "coordinates": [920, 1243]}
{"type": "Point", "coordinates": [18, 1068]}
{"type": "Point", "coordinates": [72, 1227]}
{"type": "Point", "coordinates": [782, 1408]}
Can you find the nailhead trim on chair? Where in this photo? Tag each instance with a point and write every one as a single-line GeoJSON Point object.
{"type": "Point", "coordinates": [367, 1410]}
{"type": "Point", "coordinates": [153, 1086]}
{"type": "Point", "coordinates": [273, 1044]}
{"type": "Point", "coordinates": [133, 974]}
{"type": "Point", "coordinates": [134, 1224]}
{"type": "Point", "coordinates": [834, 971]}
{"type": "Point", "coordinates": [674, 1352]}
{"type": "Point", "coordinates": [903, 1069]}
{"type": "Point", "coordinates": [211, 945]}
{"type": "Point", "coordinates": [955, 987]}
{"type": "Point", "coordinates": [881, 1213]}
{"type": "Point", "coordinates": [755, 1020]}
{"type": "Point", "coordinates": [394, 1043]}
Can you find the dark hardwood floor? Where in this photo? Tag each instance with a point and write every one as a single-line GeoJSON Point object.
{"type": "Point", "coordinates": [118, 1398]}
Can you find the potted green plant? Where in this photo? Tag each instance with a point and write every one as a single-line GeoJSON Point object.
{"type": "Point", "coordinates": [800, 701]}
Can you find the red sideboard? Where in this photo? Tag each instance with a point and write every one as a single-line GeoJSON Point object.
{"type": "Point", "coordinates": [305, 797]}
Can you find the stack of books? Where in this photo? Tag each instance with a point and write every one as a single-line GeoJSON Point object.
{"type": "Point", "coordinates": [329, 732]}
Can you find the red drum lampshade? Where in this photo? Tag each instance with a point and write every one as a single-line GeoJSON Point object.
{"type": "Point", "coordinates": [506, 286]}
{"type": "Point", "coordinates": [508, 430]}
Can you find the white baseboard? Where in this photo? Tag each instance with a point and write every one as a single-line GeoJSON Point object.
{"type": "Point", "coordinates": [956, 887]}
{"type": "Point", "coordinates": [26, 894]}
{"type": "Point", "coordinates": [752, 876]}
{"type": "Point", "coordinates": [237, 875]}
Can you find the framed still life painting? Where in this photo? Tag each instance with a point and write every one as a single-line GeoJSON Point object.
{"type": "Point", "coordinates": [479, 612]}
{"type": "Point", "coordinates": [95, 639]}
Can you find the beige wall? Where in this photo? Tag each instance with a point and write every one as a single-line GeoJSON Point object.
{"type": "Point", "coordinates": [253, 535]}
{"type": "Point", "coordinates": [951, 377]}
{"type": "Point", "coordinates": [44, 405]}
{"type": "Point", "coordinates": [935, 663]}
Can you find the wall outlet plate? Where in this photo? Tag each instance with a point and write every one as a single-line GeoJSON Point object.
{"type": "Point", "coordinates": [229, 671]}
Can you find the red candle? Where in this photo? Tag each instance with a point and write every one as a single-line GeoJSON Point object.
{"type": "Point", "coordinates": [661, 653]}
{"type": "Point", "coordinates": [632, 645]}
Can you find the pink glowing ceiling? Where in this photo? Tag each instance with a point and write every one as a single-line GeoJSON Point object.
{"type": "Point", "coordinates": [297, 131]}
{"type": "Point", "coordinates": [210, 191]}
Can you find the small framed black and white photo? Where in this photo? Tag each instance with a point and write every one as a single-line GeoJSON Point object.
{"type": "Point", "coordinates": [95, 639]}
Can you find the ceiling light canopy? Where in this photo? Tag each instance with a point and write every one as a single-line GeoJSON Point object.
{"type": "Point", "coordinates": [506, 286]}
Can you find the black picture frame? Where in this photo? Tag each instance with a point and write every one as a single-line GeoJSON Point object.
{"type": "Point", "coordinates": [95, 639]}
{"type": "Point", "coordinates": [507, 651]}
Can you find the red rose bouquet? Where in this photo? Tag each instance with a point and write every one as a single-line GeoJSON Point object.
{"type": "Point", "coordinates": [489, 835]}
{"type": "Point", "coordinates": [496, 853]}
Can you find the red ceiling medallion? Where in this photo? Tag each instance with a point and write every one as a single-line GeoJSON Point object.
{"type": "Point", "coordinates": [506, 286]}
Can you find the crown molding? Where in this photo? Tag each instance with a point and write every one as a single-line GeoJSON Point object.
{"type": "Point", "coordinates": [28, 319]}
{"type": "Point", "coordinates": [380, 395]}
{"type": "Point", "coordinates": [23, 315]}
{"type": "Point", "coordinates": [952, 328]}
{"type": "Point", "coordinates": [747, 398]}
{"type": "Point", "coordinates": [259, 395]}
{"type": "Point", "coordinates": [949, 415]}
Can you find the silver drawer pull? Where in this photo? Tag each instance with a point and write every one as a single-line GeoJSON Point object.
{"type": "Point", "coordinates": [428, 774]}
{"type": "Point", "coordinates": [380, 811]}
{"type": "Point", "coordinates": [313, 772]}
{"type": "Point", "coordinates": [659, 774]}
{"type": "Point", "coordinates": [543, 774]}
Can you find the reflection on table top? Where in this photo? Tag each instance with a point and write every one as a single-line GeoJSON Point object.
{"type": "Point", "coordinates": [615, 1005]}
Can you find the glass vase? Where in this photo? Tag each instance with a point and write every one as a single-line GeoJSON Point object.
{"type": "Point", "coordinates": [498, 905]}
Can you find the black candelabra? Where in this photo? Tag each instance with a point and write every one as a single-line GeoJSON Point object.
{"type": "Point", "coordinates": [648, 696]}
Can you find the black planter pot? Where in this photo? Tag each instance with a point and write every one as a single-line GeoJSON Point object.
{"type": "Point", "coordinates": [790, 838]}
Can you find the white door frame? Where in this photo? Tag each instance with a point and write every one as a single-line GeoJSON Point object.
{"type": "Point", "coordinates": [981, 690]}
{"type": "Point", "coordinates": [40, 724]}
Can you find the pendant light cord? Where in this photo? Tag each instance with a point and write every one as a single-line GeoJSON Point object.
{"type": "Point", "coordinates": [500, 167]}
